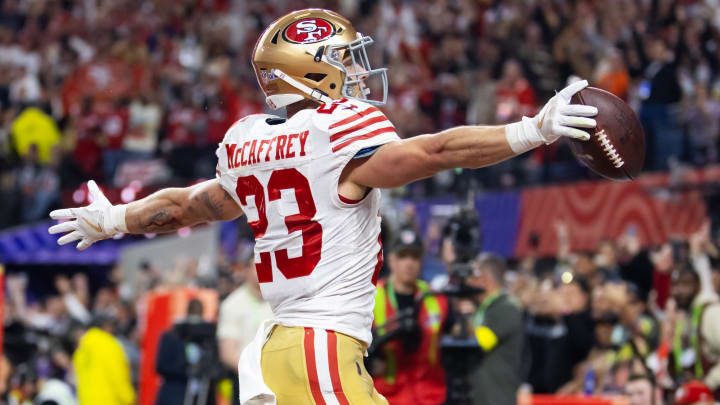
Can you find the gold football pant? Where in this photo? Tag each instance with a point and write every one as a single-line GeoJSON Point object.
{"type": "Point", "coordinates": [311, 366]}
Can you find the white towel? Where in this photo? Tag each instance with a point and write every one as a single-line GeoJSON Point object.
{"type": "Point", "coordinates": [253, 390]}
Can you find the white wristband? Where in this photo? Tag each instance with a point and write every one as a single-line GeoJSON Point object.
{"type": "Point", "coordinates": [523, 136]}
{"type": "Point", "coordinates": [117, 218]}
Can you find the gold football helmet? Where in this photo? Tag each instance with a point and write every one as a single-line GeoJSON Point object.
{"type": "Point", "coordinates": [315, 54]}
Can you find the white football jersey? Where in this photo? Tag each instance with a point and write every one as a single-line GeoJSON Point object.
{"type": "Point", "coordinates": [317, 254]}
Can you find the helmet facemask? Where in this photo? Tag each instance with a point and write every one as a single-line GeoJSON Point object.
{"type": "Point", "coordinates": [361, 80]}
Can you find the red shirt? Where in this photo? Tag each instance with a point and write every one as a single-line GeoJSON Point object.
{"type": "Point", "coordinates": [218, 123]}
{"type": "Point", "coordinates": [87, 150]}
{"type": "Point", "coordinates": [114, 128]}
{"type": "Point", "coordinates": [515, 100]}
{"type": "Point", "coordinates": [179, 122]}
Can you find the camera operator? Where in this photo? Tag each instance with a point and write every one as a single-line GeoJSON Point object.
{"type": "Point", "coordinates": [187, 359]}
{"type": "Point", "coordinates": [498, 328]}
{"type": "Point", "coordinates": [408, 323]}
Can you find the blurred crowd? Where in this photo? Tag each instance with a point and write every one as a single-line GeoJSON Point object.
{"type": "Point", "coordinates": [144, 90]}
{"type": "Point", "coordinates": [596, 319]}
{"type": "Point", "coordinates": [617, 320]}
{"type": "Point", "coordinates": [78, 338]}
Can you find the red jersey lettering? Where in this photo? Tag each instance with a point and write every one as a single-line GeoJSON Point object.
{"type": "Point", "coordinates": [290, 153]}
{"type": "Point", "coordinates": [230, 149]}
{"type": "Point", "coordinates": [252, 159]}
{"type": "Point", "coordinates": [280, 148]}
{"type": "Point", "coordinates": [267, 155]}
{"type": "Point", "coordinates": [303, 138]}
{"type": "Point", "coordinates": [238, 155]}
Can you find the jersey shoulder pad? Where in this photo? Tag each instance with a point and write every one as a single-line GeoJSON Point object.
{"type": "Point", "coordinates": [243, 126]}
{"type": "Point", "coordinates": [352, 125]}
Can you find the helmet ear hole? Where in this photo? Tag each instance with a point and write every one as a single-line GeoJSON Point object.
{"type": "Point", "coordinates": [316, 77]}
{"type": "Point", "coordinates": [332, 86]}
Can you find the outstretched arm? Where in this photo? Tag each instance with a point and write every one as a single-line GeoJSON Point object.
{"type": "Point", "coordinates": [399, 163]}
{"type": "Point", "coordinates": [173, 208]}
{"type": "Point", "coordinates": [164, 211]}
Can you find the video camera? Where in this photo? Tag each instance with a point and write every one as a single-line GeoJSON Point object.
{"type": "Point", "coordinates": [463, 233]}
{"type": "Point", "coordinates": [404, 325]}
{"type": "Point", "coordinates": [201, 348]}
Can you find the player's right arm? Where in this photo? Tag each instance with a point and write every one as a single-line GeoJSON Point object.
{"type": "Point", "coordinates": [164, 211]}
{"type": "Point", "coordinates": [173, 208]}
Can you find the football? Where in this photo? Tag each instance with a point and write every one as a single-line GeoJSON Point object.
{"type": "Point", "coordinates": [616, 149]}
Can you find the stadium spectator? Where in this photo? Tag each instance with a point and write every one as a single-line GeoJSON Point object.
{"type": "Point", "coordinates": [113, 130]}
{"type": "Point", "coordinates": [611, 74]}
{"type": "Point", "coordinates": [516, 98]}
{"type": "Point", "coordinates": [55, 392]}
{"type": "Point", "coordinates": [24, 388]}
{"type": "Point", "coordinates": [241, 313]}
{"type": "Point", "coordinates": [34, 129]}
{"type": "Point", "coordinates": [661, 93]}
{"type": "Point", "coordinates": [641, 390]}
{"type": "Point", "coordinates": [38, 184]}
{"type": "Point", "coordinates": [694, 393]}
{"type": "Point", "coordinates": [593, 376]}
{"type": "Point", "coordinates": [702, 117]}
{"type": "Point", "coordinates": [145, 115]}
{"type": "Point", "coordinates": [559, 329]}
{"type": "Point", "coordinates": [482, 108]}
{"type": "Point", "coordinates": [101, 367]}
{"type": "Point", "coordinates": [695, 330]}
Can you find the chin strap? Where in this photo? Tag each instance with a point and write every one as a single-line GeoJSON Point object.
{"type": "Point", "coordinates": [313, 93]}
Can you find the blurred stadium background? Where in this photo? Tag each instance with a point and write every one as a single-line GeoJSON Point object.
{"type": "Point", "coordinates": [136, 94]}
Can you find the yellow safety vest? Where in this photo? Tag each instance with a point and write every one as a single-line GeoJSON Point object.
{"type": "Point", "coordinates": [386, 294]}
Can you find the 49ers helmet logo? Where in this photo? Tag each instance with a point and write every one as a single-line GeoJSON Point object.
{"type": "Point", "coordinates": [309, 30]}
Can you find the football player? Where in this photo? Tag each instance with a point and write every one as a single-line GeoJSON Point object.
{"type": "Point", "coordinates": [309, 187]}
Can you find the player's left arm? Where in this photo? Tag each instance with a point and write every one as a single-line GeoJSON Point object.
{"type": "Point", "coordinates": [398, 163]}
{"type": "Point", "coordinates": [164, 211]}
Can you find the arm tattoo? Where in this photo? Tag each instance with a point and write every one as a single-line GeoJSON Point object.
{"type": "Point", "coordinates": [169, 210]}
{"type": "Point", "coordinates": [159, 221]}
{"type": "Point", "coordinates": [214, 207]}
{"type": "Point", "coordinates": [159, 218]}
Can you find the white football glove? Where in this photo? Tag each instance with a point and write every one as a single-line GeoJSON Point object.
{"type": "Point", "coordinates": [99, 220]}
{"type": "Point", "coordinates": [558, 118]}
